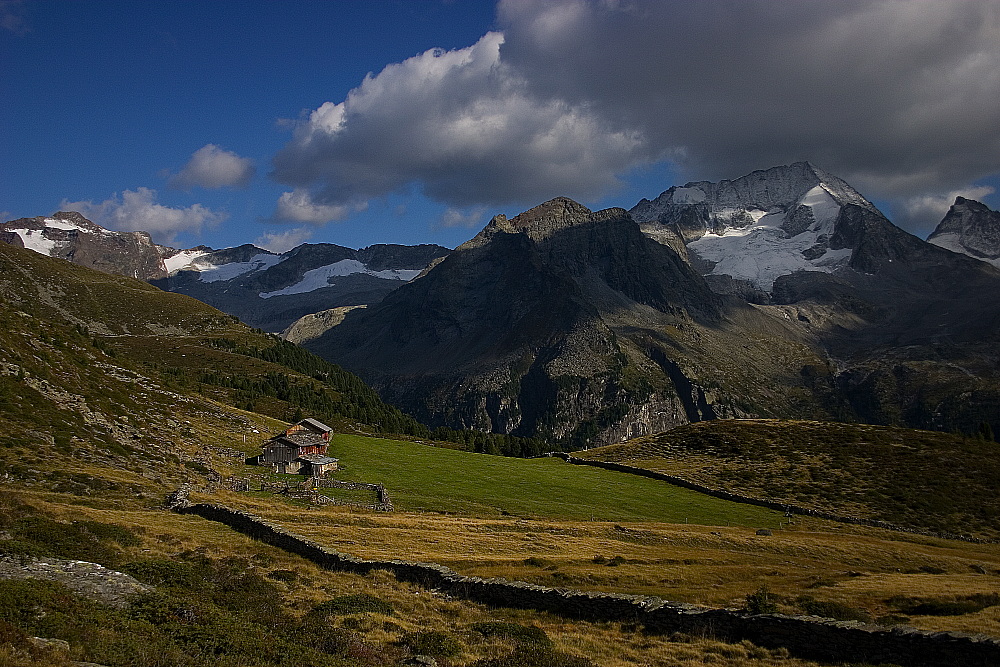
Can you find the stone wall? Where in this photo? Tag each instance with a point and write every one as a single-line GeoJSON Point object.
{"type": "Point", "coordinates": [770, 504]}
{"type": "Point", "coordinates": [804, 636]}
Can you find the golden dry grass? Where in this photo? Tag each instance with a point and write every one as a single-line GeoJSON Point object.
{"type": "Point", "coordinates": [606, 644]}
{"type": "Point", "coordinates": [861, 568]}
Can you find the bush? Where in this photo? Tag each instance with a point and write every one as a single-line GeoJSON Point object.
{"type": "Point", "coordinates": [761, 602]}
{"type": "Point", "coordinates": [836, 610]}
{"type": "Point", "coordinates": [287, 576]}
{"type": "Point", "coordinates": [433, 643]}
{"type": "Point", "coordinates": [360, 603]}
{"type": "Point", "coordinates": [520, 634]}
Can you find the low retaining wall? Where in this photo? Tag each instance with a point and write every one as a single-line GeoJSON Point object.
{"type": "Point", "coordinates": [770, 504]}
{"type": "Point", "coordinates": [805, 636]}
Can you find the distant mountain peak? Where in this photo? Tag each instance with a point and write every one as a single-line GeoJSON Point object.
{"type": "Point", "coordinates": [971, 228]}
{"type": "Point", "coordinates": [758, 227]}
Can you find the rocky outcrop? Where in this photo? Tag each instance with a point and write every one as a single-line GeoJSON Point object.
{"type": "Point", "coordinates": [309, 327]}
{"type": "Point", "coordinates": [90, 580]}
{"type": "Point", "coordinates": [560, 323]}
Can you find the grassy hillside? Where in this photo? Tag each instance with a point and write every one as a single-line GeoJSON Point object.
{"type": "Point", "coordinates": [924, 479]}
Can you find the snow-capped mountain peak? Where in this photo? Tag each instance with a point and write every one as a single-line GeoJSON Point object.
{"type": "Point", "coordinates": [758, 227]}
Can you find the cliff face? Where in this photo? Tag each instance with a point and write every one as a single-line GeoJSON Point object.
{"type": "Point", "coordinates": [559, 322]}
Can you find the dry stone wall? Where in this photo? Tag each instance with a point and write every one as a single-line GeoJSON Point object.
{"type": "Point", "coordinates": [805, 636]}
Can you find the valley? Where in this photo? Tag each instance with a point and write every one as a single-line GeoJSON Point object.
{"type": "Point", "coordinates": [559, 329]}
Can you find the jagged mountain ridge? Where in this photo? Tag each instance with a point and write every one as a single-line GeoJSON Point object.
{"type": "Point", "coordinates": [272, 291]}
{"type": "Point", "coordinates": [971, 228]}
{"type": "Point", "coordinates": [758, 227]}
{"type": "Point", "coordinates": [569, 324]}
{"type": "Point", "coordinates": [70, 236]}
{"type": "Point", "coordinates": [264, 289]}
{"type": "Point", "coordinates": [894, 331]}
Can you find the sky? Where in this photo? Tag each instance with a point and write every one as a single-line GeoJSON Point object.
{"type": "Point", "coordinates": [356, 122]}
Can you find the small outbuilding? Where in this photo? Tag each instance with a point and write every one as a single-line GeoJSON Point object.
{"type": "Point", "coordinates": [300, 450]}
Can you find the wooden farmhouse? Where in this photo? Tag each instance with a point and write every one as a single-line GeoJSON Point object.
{"type": "Point", "coordinates": [300, 450]}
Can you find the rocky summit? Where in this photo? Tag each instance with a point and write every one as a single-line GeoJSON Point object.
{"type": "Point", "coordinates": [971, 228]}
{"type": "Point", "coordinates": [70, 236]}
{"type": "Point", "coordinates": [573, 325]}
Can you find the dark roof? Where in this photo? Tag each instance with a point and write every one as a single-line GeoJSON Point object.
{"type": "Point", "coordinates": [299, 439]}
{"type": "Point", "coordinates": [315, 425]}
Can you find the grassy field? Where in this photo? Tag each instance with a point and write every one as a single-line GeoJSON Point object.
{"type": "Point", "coordinates": [422, 478]}
{"type": "Point", "coordinates": [922, 479]}
{"type": "Point", "coordinates": [543, 521]}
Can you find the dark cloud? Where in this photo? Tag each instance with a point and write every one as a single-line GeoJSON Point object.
{"type": "Point", "coordinates": [899, 97]}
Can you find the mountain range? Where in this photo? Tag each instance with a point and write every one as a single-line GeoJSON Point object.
{"type": "Point", "coordinates": [783, 293]}
{"type": "Point", "coordinates": [264, 289]}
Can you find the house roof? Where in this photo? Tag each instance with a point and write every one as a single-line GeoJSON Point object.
{"type": "Point", "coordinates": [315, 425]}
{"type": "Point", "coordinates": [300, 439]}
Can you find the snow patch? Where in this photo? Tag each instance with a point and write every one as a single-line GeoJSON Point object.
{"type": "Point", "coordinates": [953, 242]}
{"type": "Point", "coordinates": [320, 277]}
{"type": "Point", "coordinates": [181, 260]}
{"type": "Point", "coordinates": [63, 225]}
{"type": "Point", "coordinates": [825, 209]}
{"type": "Point", "coordinates": [212, 273]}
{"type": "Point", "coordinates": [35, 239]}
{"type": "Point", "coordinates": [763, 251]}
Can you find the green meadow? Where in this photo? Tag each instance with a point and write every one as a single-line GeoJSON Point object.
{"type": "Point", "coordinates": [423, 478]}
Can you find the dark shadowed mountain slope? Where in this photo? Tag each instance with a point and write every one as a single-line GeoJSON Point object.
{"type": "Point", "coordinates": [574, 325]}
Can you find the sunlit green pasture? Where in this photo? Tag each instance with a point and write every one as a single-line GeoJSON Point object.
{"type": "Point", "coordinates": [420, 477]}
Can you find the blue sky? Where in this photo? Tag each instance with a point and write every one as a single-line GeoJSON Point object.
{"type": "Point", "coordinates": [224, 122]}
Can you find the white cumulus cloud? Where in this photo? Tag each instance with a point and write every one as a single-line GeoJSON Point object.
{"type": "Point", "coordinates": [299, 206]}
{"type": "Point", "coordinates": [460, 124]}
{"type": "Point", "coordinates": [470, 217]}
{"type": "Point", "coordinates": [283, 241]}
{"type": "Point", "coordinates": [137, 210]}
{"type": "Point", "coordinates": [213, 167]}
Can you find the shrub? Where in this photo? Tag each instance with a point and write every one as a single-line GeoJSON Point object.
{"type": "Point", "coordinates": [433, 643]}
{"type": "Point", "coordinates": [287, 576]}
{"type": "Point", "coordinates": [535, 561]}
{"type": "Point", "coordinates": [359, 603]}
{"type": "Point", "coordinates": [836, 610]}
{"type": "Point", "coordinates": [761, 602]}
{"type": "Point", "coordinates": [520, 634]}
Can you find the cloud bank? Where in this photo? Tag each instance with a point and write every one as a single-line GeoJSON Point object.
{"type": "Point", "coordinates": [137, 210]}
{"type": "Point", "coordinates": [280, 242]}
{"type": "Point", "coordinates": [213, 167]}
{"type": "Point", "coordinates": [896, 96]}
